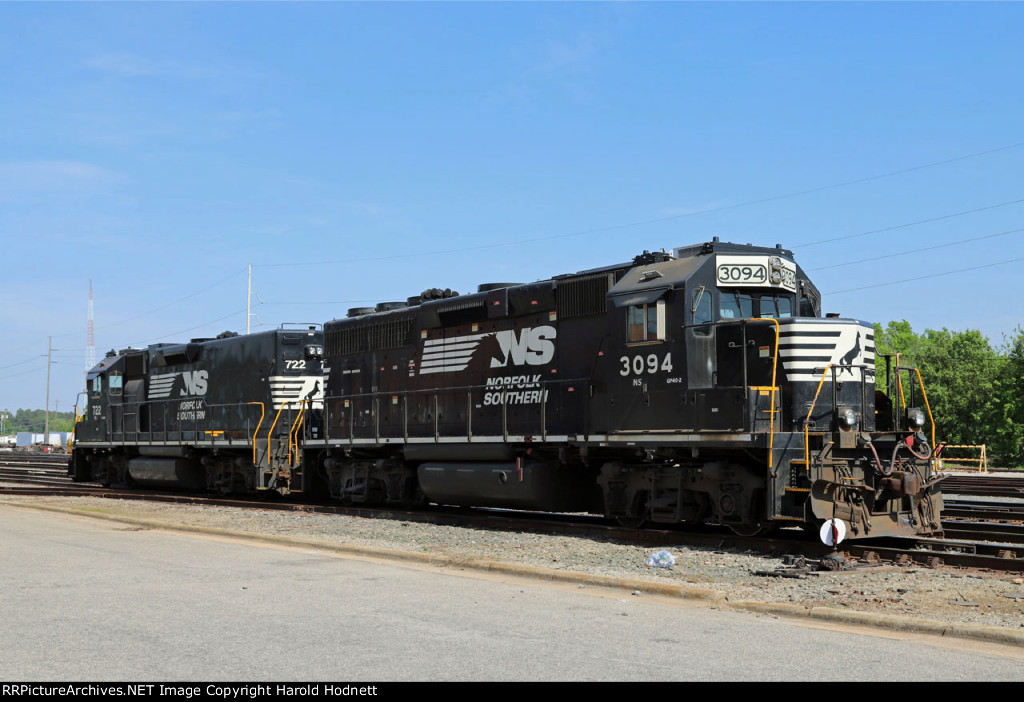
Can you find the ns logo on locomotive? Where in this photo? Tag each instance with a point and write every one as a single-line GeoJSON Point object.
{"type": "Point", "coordinates": [698, 386]}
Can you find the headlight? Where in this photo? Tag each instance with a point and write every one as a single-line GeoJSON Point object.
{"type": "Point", "coordinates": [915, 418]}
{"type": "Point", "coordinates": [847, 418]}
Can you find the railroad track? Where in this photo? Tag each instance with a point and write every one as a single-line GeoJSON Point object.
{"type": "Point", "coordinates": [1004, 533]}
{"type": "Point", "coordinates": [30, 460]}
{"type": "Point", "coordinates": [34, 472]}
{"type": "Point", "coordinates": [968, 542]}
{"type": "Point", "coordinates": [987, 511]}
{"type": "Point", "coordinates": [984, 485]}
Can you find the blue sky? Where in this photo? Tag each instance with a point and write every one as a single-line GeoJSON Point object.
{"type": "Point", "coordinates": [362, 152]}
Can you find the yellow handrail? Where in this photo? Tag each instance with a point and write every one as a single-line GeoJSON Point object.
{"type": "Point", "coordinates": [807, 445]}
{"type": "Point", "coordinates": [294, 433]}
{"type": "Point", "coordinates": [270, 432]}
{"type": "Point", "coordinates": [924, 394]}
{"type": "Point", "coordinates": [71, 434]}
{"type": "Point", "coordinates": [899, 381]}
{"type": "Point", "coordinates": [256, 432]}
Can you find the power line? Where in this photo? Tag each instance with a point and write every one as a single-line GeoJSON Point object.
{"type": "Point", "coordinates": [131, 319]}
{"type": "Point", "coordinates": [19, 363]}
{"type": "Point", "coordinates": [613, 228]}
{"type": "Point", "coordinates": [170, 304]}
{"type": "Point", "coordinates": [18, 375]}
{"type": "Point", "coordinates": [29, 360]}
{"type": "Point", "coordinates": [911, 251]}
{"type": "Point", "coordinates": [323, 302]}
{"type": "Point", "coordinates": [670, 218]}
{"type": "Point", "coordinates": [198, 326]}
{"type": "Point", "coordinates": [923, 277]}
{"type": "Point", "coordinates": [910, 224]}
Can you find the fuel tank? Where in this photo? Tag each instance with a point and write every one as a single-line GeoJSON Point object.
{"type": "Point", "coordinates": [535, 485]}
{"type": "Point", "coordinates": [167, 472]}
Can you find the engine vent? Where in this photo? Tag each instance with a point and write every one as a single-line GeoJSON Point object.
{"type": "Point", "coordinates": [379, 335]}
{"type": "Point", "coordinates": [583, 296]}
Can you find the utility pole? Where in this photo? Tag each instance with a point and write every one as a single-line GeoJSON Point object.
{"type": "Point", "coordinates": [90, 339]}
{"type": "Point", "coordinates": [248, 301]}
{"type": "Point", "coordinates": [49, 359]}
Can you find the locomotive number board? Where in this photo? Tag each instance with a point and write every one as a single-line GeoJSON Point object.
{"type": "Point", "coordinates": [755, 271]}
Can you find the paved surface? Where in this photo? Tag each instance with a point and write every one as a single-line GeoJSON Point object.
{"type": "Point", "coordinates": [82, 599]}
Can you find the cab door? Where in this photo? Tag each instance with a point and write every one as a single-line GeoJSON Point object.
{"type": "Point", "coordinates": [644, 366]}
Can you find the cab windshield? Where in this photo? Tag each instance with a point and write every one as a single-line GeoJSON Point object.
{"type": "Point", "coordinates": [734, 304]}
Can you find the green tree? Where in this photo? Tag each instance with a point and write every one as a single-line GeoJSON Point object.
{"type": "Point", "coordinates": [35, 421]}
{"type": "Point", "coordinates": [959, 371]}
{"type": "Point", "coordinates": [976, 392]}
{"type": "Point", "coordinates": [895, 338]}
{"type": "Point", "coordinates": [1008, 420]}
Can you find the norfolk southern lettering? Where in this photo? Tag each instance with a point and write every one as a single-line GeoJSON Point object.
{"type": "Point", "coordinates": [535, 347]}
{"type": "Point", "coordinates": [514, 390]}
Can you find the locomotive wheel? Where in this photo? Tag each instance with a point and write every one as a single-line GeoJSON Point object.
{"type": "Point", "coordinates": [634, 518]}
{"type": "Point", "coordinates": [746, 529]}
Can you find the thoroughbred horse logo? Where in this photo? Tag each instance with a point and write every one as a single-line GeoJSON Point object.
{"type": "Point", "coordinates": [846, 362]}
{"type": "Point", "coordinates": [314, 394]}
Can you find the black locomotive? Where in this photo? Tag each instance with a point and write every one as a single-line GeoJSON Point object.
{"type": "Point", "coordinates": [697, 386]}
{"type": "Point", "coordinates": [226, 414]}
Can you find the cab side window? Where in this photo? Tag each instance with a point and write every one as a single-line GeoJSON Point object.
{"type": "Point", "coordinates": [809, 305]}
{"type": "Point", "coordinates": [646, 322]}
{"type": "Point", "coordinates": [701, 309]}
